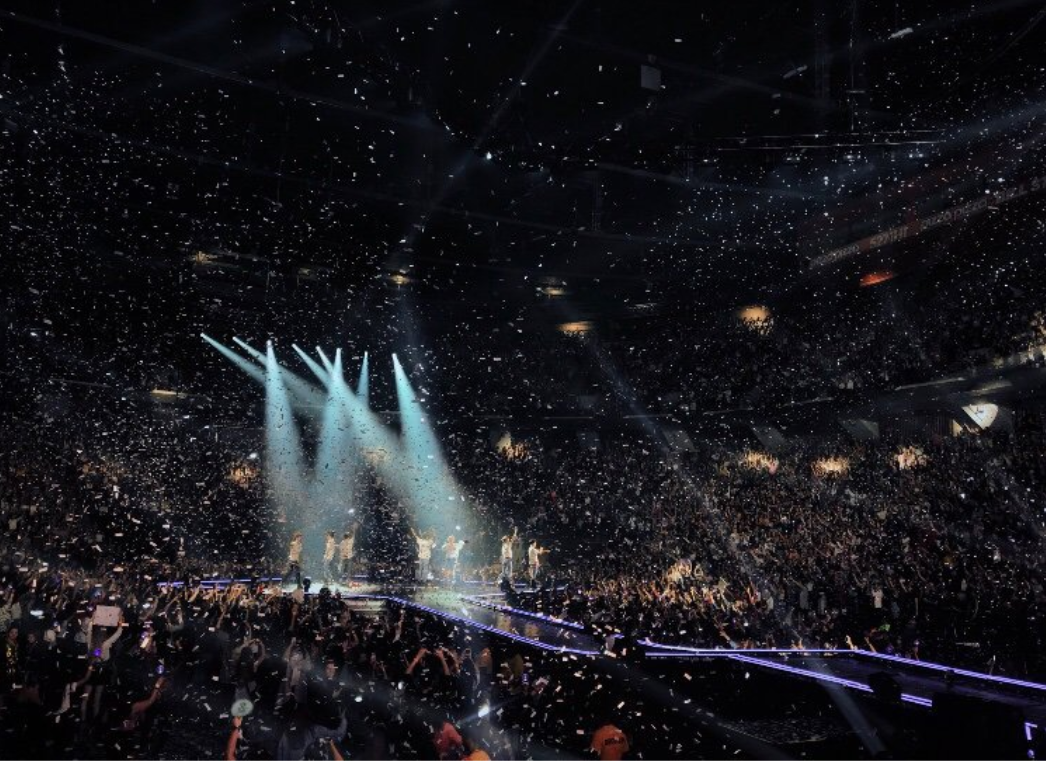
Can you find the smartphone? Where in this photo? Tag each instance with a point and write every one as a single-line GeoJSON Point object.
{"type": "Point", "coordinates": [159, 669]}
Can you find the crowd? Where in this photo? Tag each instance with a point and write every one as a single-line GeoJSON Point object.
{"type": "Point", "coordinates": [936, 556]}
{"type": "Point", "coordinates": [927, 547]}
{"type": "Point", "coordinates": [247, 672]}
{"type": "Point", "coordinates": [834, 345]}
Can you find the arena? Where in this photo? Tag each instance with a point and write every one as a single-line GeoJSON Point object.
{"type": "Point", "coordinates": [443, 379]}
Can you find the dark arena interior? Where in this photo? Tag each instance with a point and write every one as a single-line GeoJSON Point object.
{"type": "Point", "coordinates": [537, 379]}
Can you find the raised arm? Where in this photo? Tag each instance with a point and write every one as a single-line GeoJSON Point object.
{"type": "Point", "coordinates": [234, 738]}
{"type": "Point", "coordinates": [108, 642]}
{"type": "Point", "coordinates": [443, 661]}
{"type": "Point", "coordinates": [288, 649]}
{"type": "Point", "coordinates": [416, 660]}
{"type": "Point", "coordinates": [335, 753]}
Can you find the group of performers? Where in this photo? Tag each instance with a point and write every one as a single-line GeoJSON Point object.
{"type": "Point", "coordinates": [534, 555]}
{"type": "Point", "coordinates": [452, 554]}
{"type": "Point", "coordinates": [338, 556]}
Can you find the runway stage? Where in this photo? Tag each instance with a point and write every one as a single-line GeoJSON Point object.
{"type": "Point", "coordinates": [465, 604]}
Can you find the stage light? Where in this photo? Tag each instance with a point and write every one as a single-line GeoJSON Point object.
{"type": "Point", "coordinates": [758, 461]}
{"type": "Point", "coordinates": [335, 457]}
{"type": "Point", "coordinates": [167, 395]}
{"type": "Point", "coordinates": [431, 486]}
{"type": "Point", "coordinates": [576, 327]}
{"type": "Point", "coordinates": [911, 457]}
{"type": "Point", "coordinates": [320, 373]}
{"type": "Point", "coordinates": [362, 390]}
{"type": "Point", "coordinates": [874, 278]}
{"type": "Point", "coordinates": [324, 359]}
{"type": "Point", "coordinates": [259, 356]}
{"type": "Point", "coordinates": [983, 413]}
{"type": "Point", "coordinates": [831, 466]}
{"type": "Point", "coordinates": [359, 431]}
{"type": "Point", "coordinates": [246, 366]}
{"type": "Point", "coordinates": [755, 316]}
{"type": "Point", "coordinates": [283, 457]}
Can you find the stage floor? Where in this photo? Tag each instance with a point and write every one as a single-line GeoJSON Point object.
{"type": "Point", "coordinates": [462, 604]}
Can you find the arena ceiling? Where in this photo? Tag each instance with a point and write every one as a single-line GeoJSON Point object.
{"type": "Point", "coordinates": [629, 154]}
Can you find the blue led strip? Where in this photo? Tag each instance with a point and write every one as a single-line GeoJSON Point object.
{"type": "Point", "coordinates": [826, 678]}
{"type": "Point", "coordinates": [842, 681]}
{"type": "Point", "coordinates": [858, 652]}
{"type": "Point", "coordinates": [473, 600]}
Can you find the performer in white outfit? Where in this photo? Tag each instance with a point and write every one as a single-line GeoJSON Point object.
{"type": "Point", "coordinates": [294, 558]}
{"type": "Point", "coordinates": [330, 546]}
{"type": "Point", "coordinates": [452, 550]}
{"type": "Point", "coordinates": [426, 543]}
{"type": "Point", "coordinates": [534, 554]}
{"type": "Point", "coordinates": [346, 550]}
{"type": "Point", "coordinates": [506, 553]}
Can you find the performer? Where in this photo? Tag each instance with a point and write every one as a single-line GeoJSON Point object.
{"type": "Point", "coordinates": [346, 550]}
{"type": "Point", "coordinates": [426, 543]}
{"type": "Point", "coordinates": [452, 550]}
{"type": "Point", "coordinates": [534, 554]}
{"type": "Point", "coordinates": [506, 553]}
{"type": "Point", "coordinates": [294, 558]}
{"type": "Point", "coordinates": [330, 545]}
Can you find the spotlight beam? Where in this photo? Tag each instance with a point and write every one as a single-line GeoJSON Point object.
{"type": "Point", "coordinates": [323, 358]}
{"type": "Point", "coordinates": [297, 385]}
{"type": "Point", "coordinates": [362, 390]}
{"type": "Point", "coordinates": [243, 364]}
{"type": "Point", "coordinates": [364, 428]}
{"type": "Point", "coordinates": [335, 462]}
{"type": "Point", "coordinates": [283, 457]}
{"type": "Point", "coordinates": [323, 375]}
{"type": "Point", "coordinates": [435, 494]}
{"type": "Point", "coordinates": [250, 350]}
